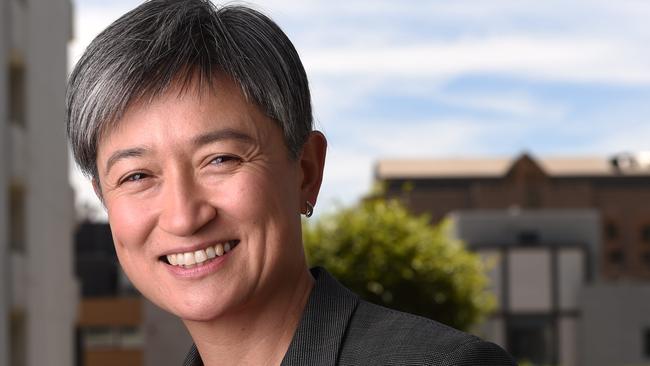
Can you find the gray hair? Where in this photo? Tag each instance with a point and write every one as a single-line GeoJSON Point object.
{"type": "Point", "coordinates": [160, 42]}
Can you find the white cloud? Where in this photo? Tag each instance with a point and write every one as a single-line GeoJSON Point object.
{"type": "Point", "coordinates": [567, 60]}
{"type": "Point", "coordinates": [514, 104]}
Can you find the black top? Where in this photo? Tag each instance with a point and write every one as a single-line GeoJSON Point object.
{"type": "Point", "coordinates": [338, 328]}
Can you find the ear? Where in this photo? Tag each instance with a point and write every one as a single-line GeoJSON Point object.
{"type": "Point", "coordinates": [312, 163]}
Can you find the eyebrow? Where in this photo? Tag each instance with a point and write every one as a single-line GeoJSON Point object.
{"type": "Point", "coordinates": [221, 134]}
{"type": "Point", "coordinates": [200, 140]}
{"type": "Point", "coordinates": [123, 154]}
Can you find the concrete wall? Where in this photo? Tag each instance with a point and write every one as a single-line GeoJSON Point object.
{"type": "Point", "coordinates": [614, 318]}
{"type": "Point", "coordinates": [37, 284]}
{"type": "Point", "coordinates": [51, 294]}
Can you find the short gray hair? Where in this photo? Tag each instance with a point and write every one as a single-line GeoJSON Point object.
{"type": "Point", "coordinates": [161, 42]}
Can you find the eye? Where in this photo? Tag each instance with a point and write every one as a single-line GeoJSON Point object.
{"type": "Point", "coordinates": [224, 159]}
{"type": "Point", "coordinates": [135, 177]}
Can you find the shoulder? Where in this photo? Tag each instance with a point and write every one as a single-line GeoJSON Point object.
{"type": "Point", "coordinates": [378, 335]}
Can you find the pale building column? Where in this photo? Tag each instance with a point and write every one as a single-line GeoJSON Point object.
{"type": "Point", "coordinates": [51, 289]}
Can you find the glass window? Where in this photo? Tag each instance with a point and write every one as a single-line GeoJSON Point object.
{"type": "Point", "coordinates": [528, 237]}
{"type": "Point", "coordinates": [530, 339]}
{"type": "Point", "coordinates": [131, 337]}
{"type": "Point", "coordinates": [17, 94]}
{"type": "Point", "coordinates": [616, 257]}
{"type": "Point", "coordinates": [611, 231]}
{"type": "Point", "coordinates": [107, 337]}
{"type": "Point", "coordinates": [645, 234]}
{"type": "Point", "coordinates": [646, 259]}
{"type": "Point", "coordinates": [98, 337]}
{"type": "Point", "coordinates": [18, 337]}
{"type": "Point", "coordinates": [17, 218]}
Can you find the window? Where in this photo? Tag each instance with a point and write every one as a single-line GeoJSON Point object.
{"type": "Point", "coordinates": [528, 237]}
{"type": "Point", "coordinates": [645, 234]}
{"type": "Point", "coordinates": [17, 218]}
{"type": "Point", "coordinates": [106, 337]}
{"type": "Point", "coordinates": [616, 257]}
{"type": "Point", "coordinates": [611, 231]}
{"type": "Point", "coordinates": [646, 259]}
{"type": "Point", "coordinates": [17, 94]}
{"type": "Point", "coordinates": [530, 339]}
{"type": "Point", "coordinates": [17, 339]}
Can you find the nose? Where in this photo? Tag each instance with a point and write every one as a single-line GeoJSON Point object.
{"type": "Point", "coordinates": [185, 208]}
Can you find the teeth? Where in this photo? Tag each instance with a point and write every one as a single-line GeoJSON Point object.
{"type": "Point", "coordinates": [172, 259]}
{"type": "Point", "coordinates": [210, 252]}
{"type": "Point", "coordinates": [180, 259]}
{"type": "Point", "coordinates": [189, 259]}
{"type": "Point", "coordinates": [196, 258]}
{"type": "Point", "coordinates": [219, 249]}
{"type": "Point", "coordinates": [200, 256]}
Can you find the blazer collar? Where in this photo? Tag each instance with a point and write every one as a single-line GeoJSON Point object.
{"type": "Point", "coordinates": [321, 329]}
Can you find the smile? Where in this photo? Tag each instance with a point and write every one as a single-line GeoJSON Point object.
{"type": "Point", "coordinates": [200, 257]}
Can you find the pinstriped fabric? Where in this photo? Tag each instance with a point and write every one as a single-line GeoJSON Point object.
{"type": "Point", "coordinates": [322, 328]}
{"type": "Point", "coordinates": [339, 329]}
{"type": "Point", "coordinates": [193, 358]}
{"type": "Point", "coordinates": [381, 336]}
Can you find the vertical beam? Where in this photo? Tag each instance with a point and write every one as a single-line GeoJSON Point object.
{"type": "Point", "coordinates": [555, 305]}
{"type": "Point", "coordinates": [5, 298]}
{"type": "Point", "coordinates": [51, 291]}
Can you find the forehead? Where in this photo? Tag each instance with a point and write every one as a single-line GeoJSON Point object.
{"type": "Point", "coordinates": [183, 112]}
{"type": "Point", "coordinates": [221, 101]}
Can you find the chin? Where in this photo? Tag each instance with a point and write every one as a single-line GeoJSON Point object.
{"type": "Point", "coordinates": [201, 309]}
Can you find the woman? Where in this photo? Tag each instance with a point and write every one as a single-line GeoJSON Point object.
{"type": "Point", "coordinates": [194, 124]}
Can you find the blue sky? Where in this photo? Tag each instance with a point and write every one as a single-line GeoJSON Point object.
{"type": "Point", "coordinates": [438, 79]}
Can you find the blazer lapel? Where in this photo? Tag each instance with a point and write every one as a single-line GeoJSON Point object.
{"type": "Point", "coordinates": [321, 330]}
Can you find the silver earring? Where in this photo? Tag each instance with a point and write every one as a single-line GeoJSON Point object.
{"type": "Point", "coordinates": [310, 209]}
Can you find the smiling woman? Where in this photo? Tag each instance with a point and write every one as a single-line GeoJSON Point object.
{"type": "Point", "coordinates": [194, 124]}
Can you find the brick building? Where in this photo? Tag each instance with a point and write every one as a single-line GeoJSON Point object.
{"type": "Point", "coordinates": [618, 189]}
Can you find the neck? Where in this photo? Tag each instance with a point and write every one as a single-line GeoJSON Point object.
{"type": "Point", "coordinates": [261, 332]}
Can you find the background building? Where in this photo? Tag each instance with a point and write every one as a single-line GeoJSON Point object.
{"type": "Point", "coordinates": [567, 242]}
{"type": "Point", "coordinates": [617, 188]}
{"type": "Point", "coordinates": [116, 325]}
{"type": "Point", "coordinates": [539, 260]}
{"type": "Point", "coordinates": [38, 295]}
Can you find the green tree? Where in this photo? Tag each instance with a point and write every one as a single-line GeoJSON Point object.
{"type": "Point", "coordinates": [393, 258]}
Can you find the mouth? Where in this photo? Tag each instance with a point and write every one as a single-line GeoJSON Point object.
{"type": "Point", "coordinates": [199, 257]}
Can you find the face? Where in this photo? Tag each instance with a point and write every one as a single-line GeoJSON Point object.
{"type": "Point", "coordinates": [187, 176]}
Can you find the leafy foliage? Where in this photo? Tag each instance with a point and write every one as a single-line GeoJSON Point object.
{"type": "Point", "coordinates": [392, 258]}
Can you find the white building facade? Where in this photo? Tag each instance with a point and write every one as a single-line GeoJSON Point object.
{"type": "Point", "coordinates": [38, 293]}
{"type": "Point", "coordinates": [539, 260]}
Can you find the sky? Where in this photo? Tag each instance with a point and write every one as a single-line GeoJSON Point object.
{"type": "Point", "coordinates": [445, 79]}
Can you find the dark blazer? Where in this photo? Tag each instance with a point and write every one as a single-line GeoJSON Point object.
{"type": "Point", "coordinates": [338, 328]}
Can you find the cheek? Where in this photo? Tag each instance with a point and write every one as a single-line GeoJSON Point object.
{"type": "Point", "coordinates": [261, 198]}
{"type": "Point", "coordinates": [130, 223]}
